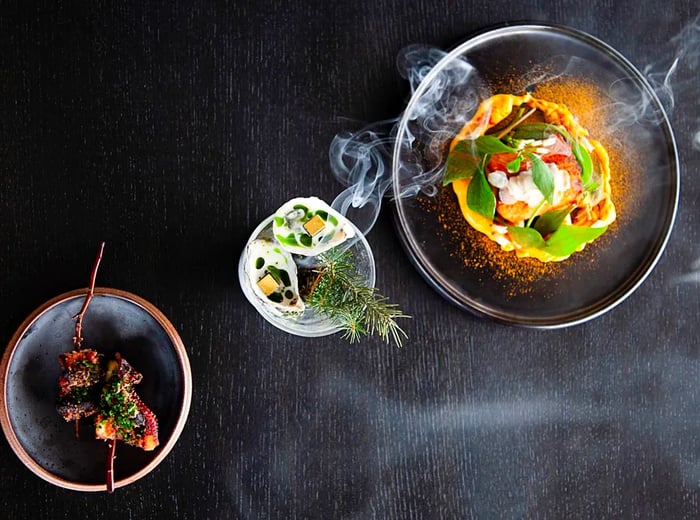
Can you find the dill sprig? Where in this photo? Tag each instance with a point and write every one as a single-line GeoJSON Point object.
{"type": "Point", "coordinates": [337, 291]}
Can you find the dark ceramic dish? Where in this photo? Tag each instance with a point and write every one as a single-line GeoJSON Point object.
{"type": "Point", "coordinates": [116, 321]}
{"type": "Point", "coordinates": [589, 283]}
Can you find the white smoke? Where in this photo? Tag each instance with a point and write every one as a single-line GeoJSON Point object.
{"type": "Point", "coordinates": [362, 161]}
{"type": "Point", "coordinates": [444, 98]}
{"type": "Point", "coordinates": [683, 51]}
{"type": "Point", "coordinates": [693, 275]}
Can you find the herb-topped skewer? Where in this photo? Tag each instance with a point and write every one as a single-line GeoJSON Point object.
{"type": "Point", "coordinates": [122, 416]}
{"type": "Point", "coordinates": [87, 389]}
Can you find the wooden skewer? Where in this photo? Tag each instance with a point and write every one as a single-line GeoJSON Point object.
{"type": "Point", "coordinates": [110, 465]}
{"type": "Point", "coordinates": [78, 338]}
{"type": "Point", "coordinates": [77, 343]}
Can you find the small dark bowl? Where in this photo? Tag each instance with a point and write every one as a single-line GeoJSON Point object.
{"type": "Point", "coordinates": [116, 321]}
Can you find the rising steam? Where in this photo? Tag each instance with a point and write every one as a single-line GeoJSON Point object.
{"type": "Point", "coordinates": [692, 276]}
{"type": "Point", "coordinates": [684, 50]}
{"type": "Point", "coordinates": [362, 161]}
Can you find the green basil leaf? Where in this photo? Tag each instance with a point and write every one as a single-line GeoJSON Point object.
{"type": "Point", "coordinates": [526, 237]}
{"type": "Point", "coordinates": [542, 176]}
{"type": "Point", "coordinates": [567, 239]}
{"type": "Point", "coordinates": [480, 197]}
{"type": "Point", "coordinates": [591, 186]}
{"type": "Point", "coordinates": [584, 159]}
{"type": "Point", "coordinates": [487, 144]}
{"type": "Point", "coordinates": [538, 130]}
{"type": "Point", "coordinates": [461, 162]}
{"type": "Point", "coordinates": [550, 221]}
{"type": "Point", "coordinates": [532, 131]}
{"type": "Point", "coordinates": [514, 165]}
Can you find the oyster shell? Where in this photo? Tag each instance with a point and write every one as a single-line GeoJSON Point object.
{"type": "Point", "coordinates": [272, 274]}
{"type": "Point", "coordinates": [308, 226]}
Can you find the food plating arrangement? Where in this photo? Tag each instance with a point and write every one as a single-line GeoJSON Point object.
{"type": "Point", "coordinates": [519, 221]}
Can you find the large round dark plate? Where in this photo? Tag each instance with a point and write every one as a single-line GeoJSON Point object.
{"type": "Point", "coordinates": [606, 272]}
{"type": "Point", "coordinates": [116, 321]}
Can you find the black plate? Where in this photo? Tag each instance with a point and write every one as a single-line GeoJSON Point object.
{"type": "Point", "coordinates": [607, 271]}
{"type": "Point", "coordinates": [116, 321]}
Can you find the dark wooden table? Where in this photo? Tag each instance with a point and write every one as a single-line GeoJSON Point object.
{"type": "Point", "coordinates": [171, 131]}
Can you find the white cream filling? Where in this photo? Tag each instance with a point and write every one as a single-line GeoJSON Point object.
{"type": "Point", "coordinates": [522, 188]}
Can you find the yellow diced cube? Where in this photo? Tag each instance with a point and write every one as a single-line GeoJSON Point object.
{"type": "Point", "coordinates": [268, 284]}
{"type": "Point", "coordinates": [314, 225]}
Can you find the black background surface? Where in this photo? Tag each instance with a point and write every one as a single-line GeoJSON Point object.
{"type": "Point", "coordinates": [170, 131]}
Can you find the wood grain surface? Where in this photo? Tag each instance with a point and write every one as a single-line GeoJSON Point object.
{"type": "Point", "coordinates": [171, 130]}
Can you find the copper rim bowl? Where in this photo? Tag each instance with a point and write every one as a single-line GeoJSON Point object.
{"type": "Point", "coordinates": [116, 321]}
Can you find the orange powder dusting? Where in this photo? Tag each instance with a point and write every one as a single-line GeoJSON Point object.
{"type": "Point", "coordinates": [477, 253]}
{"type": "Point", "coordinates": [520, 275]}
{"type": "Point", "coordinates": [591, 107]}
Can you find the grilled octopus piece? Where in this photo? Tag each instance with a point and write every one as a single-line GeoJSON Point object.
{"type": "Point", "coordinates": [78, 388]}
{"type": "Point", "coordinates": [122, 415]}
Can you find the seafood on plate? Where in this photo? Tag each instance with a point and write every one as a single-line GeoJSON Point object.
{"type": "Point", "coordinates": [273, 276]}
{"type": "Point", "coordinates": [308, 226]}
{"type": "Point", "coordinates": [528, 176]}
{"type": "Point", "coordinates": [90, 387]}
{"type": "Point", "coordinates": [79, 383]}
{"type": "Point", "coordinates": [121, 414]}
{"type": "Point", "coordinates": [301, 230]}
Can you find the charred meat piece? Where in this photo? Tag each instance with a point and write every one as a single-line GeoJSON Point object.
{"type": "Point", "coordinates": [122, 415]}
{"type": "Point", "coordinates": [78, 385]}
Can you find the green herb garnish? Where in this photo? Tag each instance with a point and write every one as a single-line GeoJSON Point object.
{"type": "Point", "coordinates": [586, 162]}
{"type": "Point", "coordinates": [487, 144]}
{"type": "Point", "coordinates": [567, 239]}
{"type": "Point", "coordinates": [563, 242]}
{"type": "Point", "coordinates": [469, 157]}
{"type": "Point", "coordinates": [115, 405]}
{"type": "Point", "coordinates": [334, 289]}
{"type": "Point", "coordinates": [527, 237]}
{"type": "Point", "coordinates": [464, 159]}
{"type": "Point", "coordinates": [542, 177]}
{"type": "Point", "coordinates": [79, 394]}
{"type": "Point", "coordinates": [480, 196]}
{"type": "Point", "coordinates": [462, 162]}
{"type": "Point", "coordinates": [550, 221]}
{"type": "Point", "coordinates": [537, 131]}
{"type": "Point", "coordinates": [514, 165]}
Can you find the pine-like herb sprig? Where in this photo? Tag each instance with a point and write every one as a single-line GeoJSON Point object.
{"type": "Point", "coordinates": [337, 291]}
